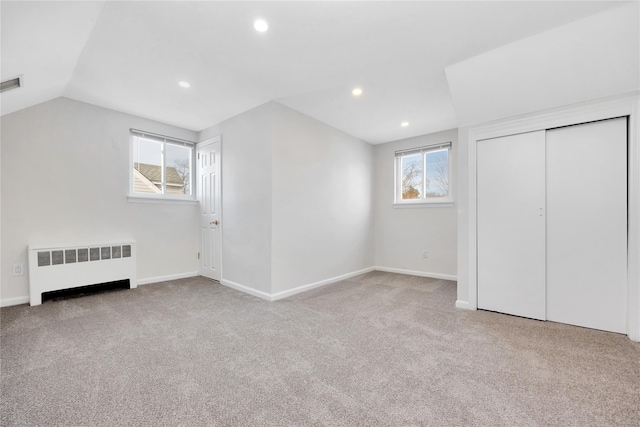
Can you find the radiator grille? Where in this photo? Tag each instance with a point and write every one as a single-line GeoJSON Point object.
{"type": "Point", "coordinates": [57, 258]}
{"type": "Point", "coordinates": [83, 255]}
{"type": "Point", "coordinates": [70, 256]}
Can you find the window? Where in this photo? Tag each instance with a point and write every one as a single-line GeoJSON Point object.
{"type": "Point", "coordinates": [161, 166]}
{"type": "Point", "coordinates": [422, 175]}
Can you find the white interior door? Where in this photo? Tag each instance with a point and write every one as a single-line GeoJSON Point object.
{"type": "Point", "coordinates": [587, 225]}
{"type": "Point", "coordinates": [511, 224]}
{"type": "Point", "coordinates": [209, 197]}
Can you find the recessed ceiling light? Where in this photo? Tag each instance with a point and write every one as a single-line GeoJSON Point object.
{"type": "Point", "coordinates": [356, 91]}
{"type": "Point", "coordinates": [404, 124]}
{"type": "Point", "coordinates": [184, 84]}
{"type": "Point", "coordinates": [261, 25]}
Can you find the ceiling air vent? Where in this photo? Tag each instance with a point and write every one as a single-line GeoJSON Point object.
{"type": "Point", "coordinates": [11, 84]}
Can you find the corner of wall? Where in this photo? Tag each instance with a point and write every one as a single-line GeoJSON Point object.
{"type": "Point", "coordinates": [247, 143]}
{"type": "Point", "coordinates": [401, 235]}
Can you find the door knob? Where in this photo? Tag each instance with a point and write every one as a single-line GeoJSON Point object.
{"type": "Point", "coordinates": [214, 222]}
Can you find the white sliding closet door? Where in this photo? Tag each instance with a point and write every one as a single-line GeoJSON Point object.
{"type": "Point", "coordinates": [511, 224]}
{"type": "Point", "coordinates": [587, 225]}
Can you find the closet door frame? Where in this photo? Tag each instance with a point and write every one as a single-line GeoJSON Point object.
{"type": "Point", "coordinates": [623, 106]}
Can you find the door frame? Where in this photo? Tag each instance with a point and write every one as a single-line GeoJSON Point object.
{"type": "Point", "coordinates": [200, 145]}
{"type": "Point", "coordinates": [625, 105]}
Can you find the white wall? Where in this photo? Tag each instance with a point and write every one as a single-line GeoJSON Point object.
{"type": "Point", "coordinates": [246, 197]}
{"type": "Point", "coordinates": [462, 198]}
{"type": "Point", "coordinates": [296, 200]}
{"type": "Point", "coordinates": [402, 234]}
{"type": "Point", "coordinates": [322, 201]}
{"type": "Point", "coordinates": [590, 58]}
{"type": "Point", "coordinates": [65, 176]}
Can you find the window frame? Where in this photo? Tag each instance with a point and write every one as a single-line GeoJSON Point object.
{"type": "Point", "coordinates": [163, 196]}
{"type": "Point", "coordinates": [423, 201]}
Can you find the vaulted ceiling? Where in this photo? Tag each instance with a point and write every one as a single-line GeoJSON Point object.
{"type": "Point", "coordinates": [130, 56]}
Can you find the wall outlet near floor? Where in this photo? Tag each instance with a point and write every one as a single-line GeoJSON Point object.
{"type": "Point", "coordinates": [425, 254]}
{"type": "Point", "coordinates": [17, 270]}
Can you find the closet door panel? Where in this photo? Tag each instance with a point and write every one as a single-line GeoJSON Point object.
{"type": "Point", "coordinates": [511, 224]}
{"type": "Point", "coordinates": [587, 225]}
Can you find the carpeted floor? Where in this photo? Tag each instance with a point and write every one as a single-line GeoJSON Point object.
{"type": "Point", "coordinates": [380, 349]}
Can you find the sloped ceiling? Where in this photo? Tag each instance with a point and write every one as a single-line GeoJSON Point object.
{"type": "Point", "coordinates": [129, 56]}
{"type": "Point", "coordinates": [592, 58]}
{"type": "Point", "coordinates": [42, 41]}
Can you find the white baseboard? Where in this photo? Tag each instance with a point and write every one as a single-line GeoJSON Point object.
{"type": "Point", "coordinates": [463, 305]}
{"type": "Point", "coordinates": [417, 273]}
{"type": "Point", "coordinates": [278, 295]}
{"type": "Point", "coordinates": [304, 288]}
{"type": "Point", "coordinates": [246, 289]}
{"type": "Point", "coordinates": [284, 294]}
{"type": "Point", "coordinates": [7, 302]}
{"type": "Point", "coordinates": [157, 279]}
{"type": "Point", "coordinates": [308, 287]}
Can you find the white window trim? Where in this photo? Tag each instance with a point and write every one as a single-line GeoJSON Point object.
{"type": "Point", "coordinates": [445, 203]}
{"type": "Point", "coordinates": [190, 199]}
{"type": "Point", "coordinates": [423, 202]}
{"type": "Point", "coordinates": [151, 198]}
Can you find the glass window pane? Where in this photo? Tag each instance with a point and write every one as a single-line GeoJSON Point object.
{"type": "Point", "coordinates": [411, 176]}
{"type": "Point", "coordinates": [147, 166]}
{"type": "Point", "coordinates": [437, 173]}
{"type": "Point", "coordinates": [178, 172]}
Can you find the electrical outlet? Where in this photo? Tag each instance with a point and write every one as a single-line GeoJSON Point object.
{"type": "Point", "coordinates": [425, 254]}
{"type": "Point", "coordinates": [17, 270]}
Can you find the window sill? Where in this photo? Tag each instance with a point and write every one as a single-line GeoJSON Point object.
{"type": "Point", "coordinates": [160, 200]}
{"type": "Point", "coordinates": [418, 205]}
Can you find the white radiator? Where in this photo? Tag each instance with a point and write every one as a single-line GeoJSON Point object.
{"type": "Point", "coordinates": [55, 268]}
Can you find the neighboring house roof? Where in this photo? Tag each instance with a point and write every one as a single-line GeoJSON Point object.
{"type": "Point", "coordinates": [154, 174]}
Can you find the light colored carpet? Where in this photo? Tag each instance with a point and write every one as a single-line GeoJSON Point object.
{"type": "Point", "coordinates": [380, 349]}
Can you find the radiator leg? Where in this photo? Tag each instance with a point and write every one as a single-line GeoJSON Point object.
{"type": "Point", "coordinates": [35, 299]}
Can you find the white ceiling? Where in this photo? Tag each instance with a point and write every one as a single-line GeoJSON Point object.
{"type": "Point", "coordinates": [129, 56]}
{"type": "Point", "coordinates": [595, 57]}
